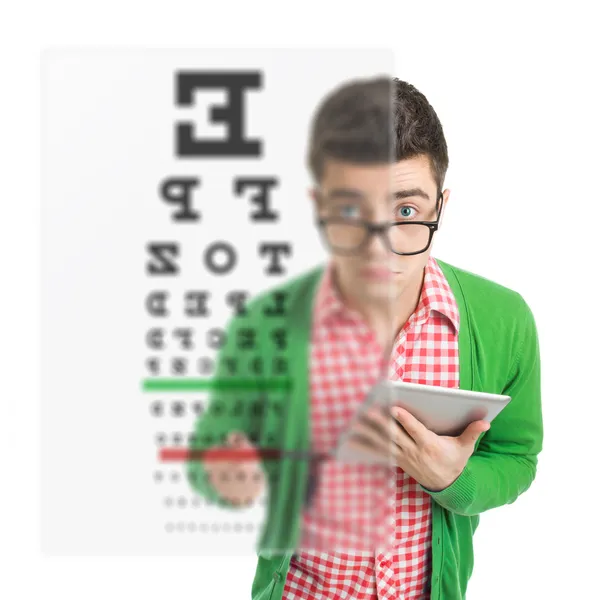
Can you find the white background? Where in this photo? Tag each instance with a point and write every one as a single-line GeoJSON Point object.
{"type": "Point", "coordinates": [515, 88]}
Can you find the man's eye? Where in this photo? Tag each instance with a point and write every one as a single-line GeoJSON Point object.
{"type": "Point", "coordinates": [403, 212]}
{"type": "Point", "coordinates": [349, 211]}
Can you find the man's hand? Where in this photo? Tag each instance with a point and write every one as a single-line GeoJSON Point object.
{"type": "Point", "coordinates": [435, 461]}
{"type": "Point", "coordinates": [239, 481]}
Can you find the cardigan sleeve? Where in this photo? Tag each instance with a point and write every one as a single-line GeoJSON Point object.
{"type": "Point", "coordinates": [504, 463]}
{"type": "Point", "coordinates": [225, 411]}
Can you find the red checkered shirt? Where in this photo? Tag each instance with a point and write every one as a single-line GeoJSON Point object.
{"type": "Point", "coordinates": [346, 360]}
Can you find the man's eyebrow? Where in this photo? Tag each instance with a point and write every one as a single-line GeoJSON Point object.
{"type": "Point", "coordinates": [411, 193]}
{"type": "Point", "coordinates": [354, 194]}
{"type": "Point", "coordinates": [345, 194]}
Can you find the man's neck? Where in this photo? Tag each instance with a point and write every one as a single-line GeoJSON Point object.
{"type": "Point", "coordinates": [386, 316]}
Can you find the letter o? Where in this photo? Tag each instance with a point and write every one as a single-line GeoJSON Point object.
{"type": "Point", "coordinates": [231, 258]}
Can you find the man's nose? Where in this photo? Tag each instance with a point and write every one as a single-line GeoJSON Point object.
{"type": "Point", "coordinates": [377, 246]}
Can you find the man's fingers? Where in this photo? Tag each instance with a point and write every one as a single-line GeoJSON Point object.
{"type": "Point", "coordinates": [382, 422]}
{"type": "Point", "coordinates": [417, 431]}
{"type": "Point", "coordinates": [369, 435]}
{"type": "Point", "coordinates": [363, 445]}
{"type": "Point", "coordinates": [382, 431]}
{"type": "Point", "coordinates": [237, 439]}
{"type": "Point", "coordinates": [375, 419]}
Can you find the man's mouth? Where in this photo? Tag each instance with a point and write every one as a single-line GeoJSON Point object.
{"type": "Point", "coordinates": [378, 273]}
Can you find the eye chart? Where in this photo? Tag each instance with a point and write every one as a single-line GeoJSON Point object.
{"type": "Point", "coordinates": [174, 189]}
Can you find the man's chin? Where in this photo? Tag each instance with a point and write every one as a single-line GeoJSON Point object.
{"type": "Point", "coordinates": [374, 284]}
{"type": "Point", "coordinates": [380, 290]}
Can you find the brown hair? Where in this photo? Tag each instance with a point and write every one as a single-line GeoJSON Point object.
{"type": "Point", "coordinates": [371, 121]}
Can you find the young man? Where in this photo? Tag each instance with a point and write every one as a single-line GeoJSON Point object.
{"type": "Point", "coordinates": [382, 306]}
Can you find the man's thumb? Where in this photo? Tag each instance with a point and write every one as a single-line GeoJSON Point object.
{"type": "Point", "coordinates": [470, 435]}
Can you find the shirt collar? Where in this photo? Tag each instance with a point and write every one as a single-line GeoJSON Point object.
{"type": "Point", "coordinates": [436, 294]}
{"type": "Point", "coordinates": [328, 304]}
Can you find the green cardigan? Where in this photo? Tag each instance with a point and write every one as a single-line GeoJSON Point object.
{"type": "Point", "coordinates": [498, 353]}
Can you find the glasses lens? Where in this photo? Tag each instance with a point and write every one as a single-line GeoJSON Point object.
{"type": "Point", "coordinates": [344, 236]}
{"type": "Point", "coordinates": [409, 237]}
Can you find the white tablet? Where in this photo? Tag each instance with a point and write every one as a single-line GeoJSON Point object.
{"type": "Point", "coordinates": [445, 411]}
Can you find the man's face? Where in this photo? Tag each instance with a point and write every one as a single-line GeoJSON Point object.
{"type": "Point", "coordinates": [404, 191]}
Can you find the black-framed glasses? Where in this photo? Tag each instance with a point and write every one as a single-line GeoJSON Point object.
{"type": "Point", "coordinates": [350, 236]}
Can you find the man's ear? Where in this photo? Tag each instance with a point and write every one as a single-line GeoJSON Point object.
{"type": "Point", "coordinates": [445, 197]}
{"type": "Point", "coordinates": [312, 192]}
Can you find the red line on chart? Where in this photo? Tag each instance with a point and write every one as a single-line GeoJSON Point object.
{"type": "Point", "coordinates": [229, 454]}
